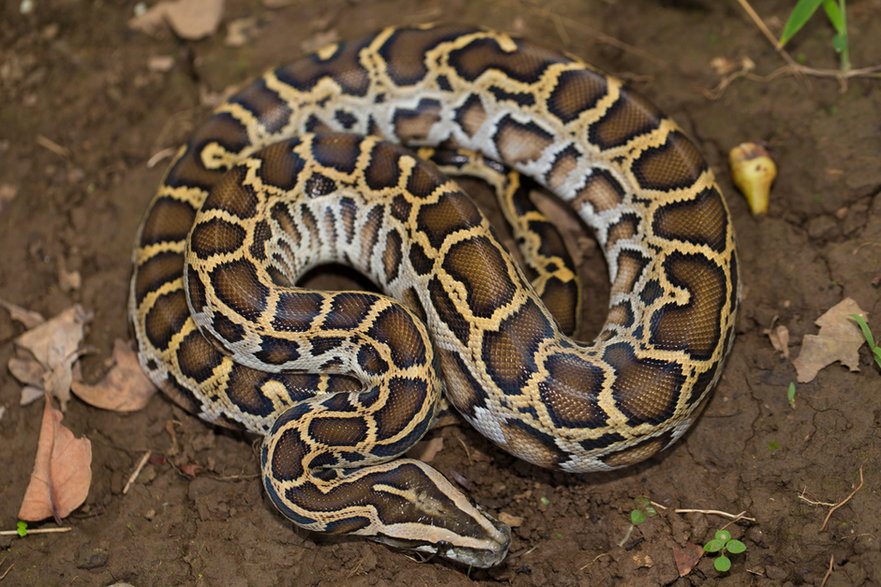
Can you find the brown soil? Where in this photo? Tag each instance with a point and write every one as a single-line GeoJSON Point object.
{"type": "Point", "coordinates": [74, 73]}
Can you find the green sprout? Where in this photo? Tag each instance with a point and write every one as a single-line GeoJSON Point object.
{"type": "Point", "coordinates": [836, 14]}
{"type": "Point", "coordinates": [790, 394]}
{"type": "Point", "coordinates": [867, 334]}
{"type": "Point", "coordinates": [22, 528]}
{"type": "Point", "coordinates": [643, 511]}
{"type": "Point", "coordinates": [722, 543]}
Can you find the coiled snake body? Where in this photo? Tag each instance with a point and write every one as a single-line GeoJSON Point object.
{"type": "Point", "coordinates": [343, 383]}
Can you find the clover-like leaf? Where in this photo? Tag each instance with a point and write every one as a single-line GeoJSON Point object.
{"type": "Point", "coordinates": [714, 545]}
{"type": "Point", "coordinates": [723, 535]}
{"type": "Point", "coordinates": [722, 564]}
{"type": "Point", "coordinates": [735, 546]}
{"type": "Point", "coordinates": [637, 516]}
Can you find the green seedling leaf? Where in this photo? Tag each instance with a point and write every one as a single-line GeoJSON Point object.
{"type": "Point", "coordinates": [650, 510]}
{"type": "Point", "coordinates": [799, 16]}
{"type": "Point", "coordinates": [637, 516]}
{"type": "Point", "coordinates": [22, 529]}
{"type": "Point", "coordinates": [790, 394]}
{"type": "Point", "coordinates": [864, 327]}
{"type": "Point", "coordinates": [834, 14]}
{"type": "Point", "coordinates": [722, 564]}
{"type": "Point", "coordinates": [735, 547]}
{"type": "Point", "coordinates": [723, 535]}
{"type": "Point", "coordinates": [714, 545]}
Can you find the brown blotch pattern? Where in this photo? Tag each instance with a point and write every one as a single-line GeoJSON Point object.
{"type": "Point", "coordinates": [601, 190]}
{"type": "Point", "coordinates": [510, 352]}
{"type": "Point", "coordinates": [280, 165]}
{"type": "Point", "coordinates": [168, 220]}
{"type": "Point", "coordinates": [631, 264]}
{"type": "Point", "coordinates": [702, 220]}
{"type": "Point", "coordinates": [156, 271]}
{"type": "Point", "coordinates": [348, 310]}
{"type": "Point", "coordinates": [391, 256]}
{"type": "Point", "coordinates": [576, 92]}
{"type": "Point", "coordinates": [404, 51]}
{"type": "Point", "coordinates": [471, 115]}
{"type": "Point", "coordinates": [295, 311]}
{"type": "Point", "coordinates": [694, 327]}
{"type": "Point", "coordinates": [635, 454]}
{"type": "Point", "coordinates": [197, 357]}
{"type": "Point", "coordinates": [646, 390]}
{"type": "Point", "coordinates": [526, 64]}
{"type": "Point", "coordinates": [415, 124]}
{"type": "Point", "coordinates": [233, 195]}
{"type": "Point", "coordinates": [337, 431]}
{"type": "Point", "coordinates": [236, 285]}
{"type": "Point", "coordinates": [629, 117]}
{"type": "Point", "coordinates": [520, 143]}
{"type": "Point", "coordinates": [343, 67]}
{"type": "Point", "coordinates": [675, 164]}
{"type": "Point", "coordinates": [395, 328]}
{"type": "Point", "coordinates": [277, 351]}
{"type": "Point", "coordinates": [529, 446]}
{"type": "Point", "coordinates": [571, 390]}
{"type": "Point", "coordinates": [216, 236]}
{"type": "Point", "coordinates": [480, 267]}
{"type": "Point", "coordinates": [406, 399]}
{"type": "Point", "coordinates": [447, 311]}
{"type": "Point", "coordinates": [452, 213]}
{"type": "Point", "coordinates": [167, 316]}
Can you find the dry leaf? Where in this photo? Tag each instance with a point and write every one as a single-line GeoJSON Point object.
{"type": "Point", "coordinates": [426, 450]}
{"type": "Point", "coordinates": [62, 471]}
{"type": "Point", "coordinates": [125, 388]}
{"type": "Point", "coordinates": [28, 318]}
{"type": "Point", "coordinates": [27, 370]}
{"type": "Point", "coordinates": [55, 344]}
{"type": "Point", "coordinates": [319, 40]}
{"type": "Point", "coordinates": [839, 339]}
{"type": "Point", "coordinates": [240, 31]}
{"type": "Point", "coordinates": [779, 337]}
{"type": "Point", "coordinates": [687, 558]}
{"type": "Point", "coordinates": [7, 194]}
{"type": "Point", "coordinates": [190, 19]}
{"type": "Point", "coordinates": [160, 63]}
{"type": "Point", "coordinates": [511, 520]}
{"type": "Point", "coordinates": [30, 394]}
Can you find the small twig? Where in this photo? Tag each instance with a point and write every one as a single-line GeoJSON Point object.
{"type": "Point", "coordinates": [626, 535]}
{"type": "Point", "coordinates": [844, 501]}
{"type": "Point", "coordinates": [828, 571]}
{"type": "Point", "coordinates": [734, 517]}
{"type": "Point", "coordinates": [595, 559]}
{"type": "Point", "coordinates": [37, 531]}
{"type": "Point", "coordinates": [657, 505]}
{"type": "Point", "coordinates": [51, 145]}
{"type": "Point", "coordinates": [802, 497]}
{"type": "Point", "coordinates": [796, 68]}
{"type": "Point", "coordinates": [766, 31]}
{"type": "Point", "coordinates": [159, 156]}
{"type": "Point", "coordinates": [6, 572]}
{"type": "Point", "coordinates": [136, 472]}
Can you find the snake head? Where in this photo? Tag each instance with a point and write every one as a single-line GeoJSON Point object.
{"type": "Point", "coordinates": [477, 540]}
{"type": "Point", "coordinates": [419, 510]}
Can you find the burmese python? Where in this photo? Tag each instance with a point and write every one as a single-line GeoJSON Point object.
{"type": "Point", "coordinates": [342, 383]}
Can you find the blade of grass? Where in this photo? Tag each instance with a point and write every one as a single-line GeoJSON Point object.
{"type": "Point", "coordinates": [799, 16]}
{"type": "Point", "coordinates": [867, 334]}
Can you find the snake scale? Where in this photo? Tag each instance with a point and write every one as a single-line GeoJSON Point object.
{"type": "Point", "coordinates": [305, 167]}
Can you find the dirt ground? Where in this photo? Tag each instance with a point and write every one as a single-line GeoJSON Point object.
{"type": "Point", "coordinates": [85, 104]}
